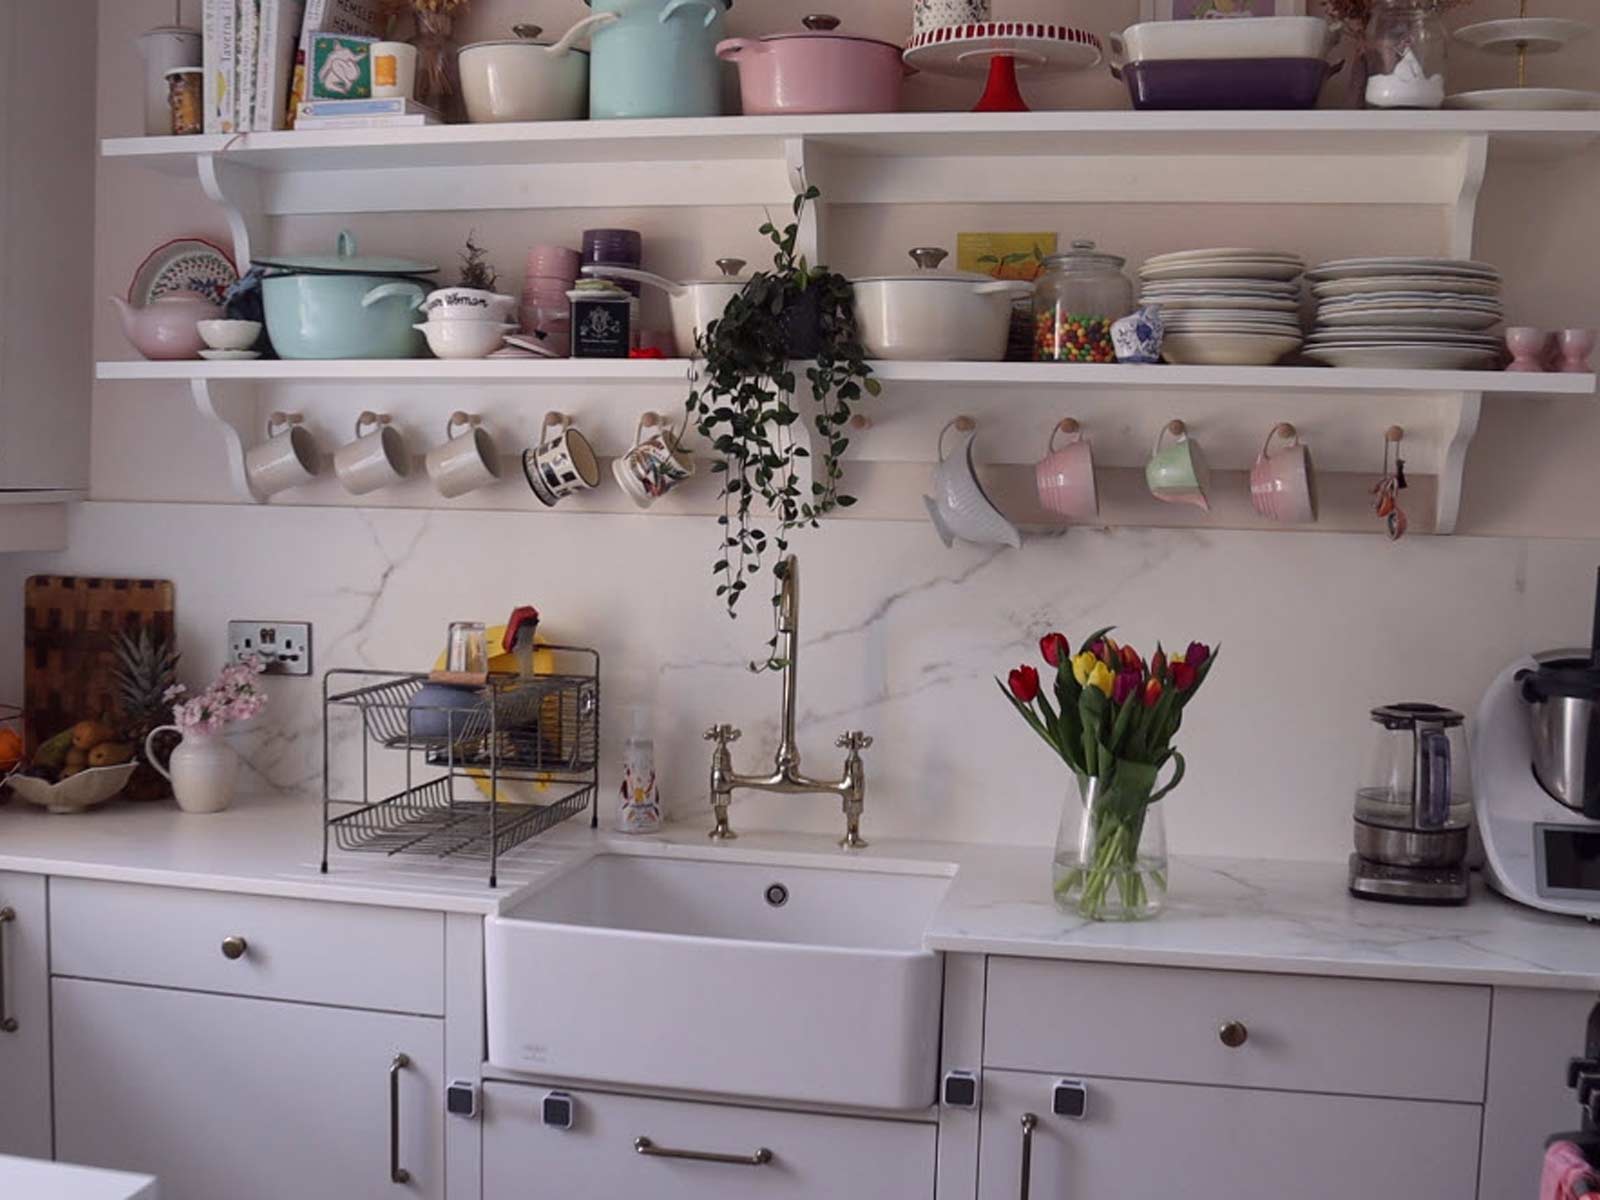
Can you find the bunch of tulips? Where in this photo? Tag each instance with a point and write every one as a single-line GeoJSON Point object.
{"type": "Point", "coordinates": [1112, 720]}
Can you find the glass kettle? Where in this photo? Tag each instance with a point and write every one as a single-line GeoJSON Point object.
{"type": "Point", "coordinates": [1418, 776]}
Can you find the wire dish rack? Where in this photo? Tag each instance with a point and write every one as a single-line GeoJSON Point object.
{"type": "Point", "coordinates": [462, 772]}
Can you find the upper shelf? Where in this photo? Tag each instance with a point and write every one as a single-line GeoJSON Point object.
{"type": "Point", "coordinates": [955, 374]}
{"type": "Point", "coordinates": [1339, 156]}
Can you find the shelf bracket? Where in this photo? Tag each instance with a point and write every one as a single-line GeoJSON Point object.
{"type": "Point", "coordinates": [1472, 163]}
{"type": "Point", "coordinates": [1468, 406]}
{"type": "Point", "coordinates": [236, 413]}
{"type": "Point", "coordinates": [236, 190]}
{"type": "Point", "coordinates": [802, 164]}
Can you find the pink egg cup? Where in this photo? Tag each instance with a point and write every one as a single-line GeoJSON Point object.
{"type": "Point", "coordinates": [1283, 485]}
{"type": "Point", "coordinates": [1576, 347]}
{"type": "Point", "coordinates": [1528, 347]}
{"type": "Point", "coordinates": [1065, 477]}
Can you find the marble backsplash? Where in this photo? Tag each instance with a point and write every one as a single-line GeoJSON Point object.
{"type": "Point", "coordinates": [900, 637]}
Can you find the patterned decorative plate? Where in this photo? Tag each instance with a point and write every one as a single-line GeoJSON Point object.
{"type": "Point", "coordinates": [183, 265]}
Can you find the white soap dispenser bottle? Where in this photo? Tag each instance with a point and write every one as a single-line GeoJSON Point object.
{"type": "Point", "coordinates": [639, 800]}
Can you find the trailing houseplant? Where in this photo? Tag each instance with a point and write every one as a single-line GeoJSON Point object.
{"type": "Point", "coordinates": [743, 403]}
{"type": "Point", "coordinates": [1113, 721]}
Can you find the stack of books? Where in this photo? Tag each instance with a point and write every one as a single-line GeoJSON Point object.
{"type": "Point", "coordinates": [255, 53]}
{"type": "Point", "coordinates": [378, 113]}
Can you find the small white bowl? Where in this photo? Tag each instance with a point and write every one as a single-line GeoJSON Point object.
{"type": "Point", "coordinates": [467, 304]}
{"type": "Point", "coordinates": [464, 339]}
{"type": "Point", "coordinates": [229, 335]}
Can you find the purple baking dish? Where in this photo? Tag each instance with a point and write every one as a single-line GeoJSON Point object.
{"type": "Point", "coordinates": [1196, 83]}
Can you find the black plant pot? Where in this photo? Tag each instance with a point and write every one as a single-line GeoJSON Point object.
{"type": "Point", "coordinates": [802, 326]}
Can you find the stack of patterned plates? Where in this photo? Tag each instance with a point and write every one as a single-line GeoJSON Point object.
{"type": "Point", "coordinates": [1226, 307]}
{"type": "Point", "coordinates": [1422, 313]}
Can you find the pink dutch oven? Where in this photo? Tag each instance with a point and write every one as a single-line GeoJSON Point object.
{"type": "Point", "coordinates": [818, 71]}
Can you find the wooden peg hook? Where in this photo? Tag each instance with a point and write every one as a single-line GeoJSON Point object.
{"type": "Point", "coordinates": [1285, 430]}
{"type": "Point", "coordinates": [1068, 425]}
{"type": "Point", "coordinates": [860, 423]}
{"type": "Point", "coordinates": [964, 424]}
{"type": "Point", "coordinates": [1394, 434]}
{"type": "Point", "coordinates": [1177, 428]}
{"type": "Point", "coordinates": [554, 418]}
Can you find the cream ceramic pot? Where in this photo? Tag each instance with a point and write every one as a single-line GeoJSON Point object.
{"type": "Point", "coordinates": [523, 79]}
{"type": "Point", "coordinates": [694, 304]}
{"type": "Point", "coordinates": [934, 315]}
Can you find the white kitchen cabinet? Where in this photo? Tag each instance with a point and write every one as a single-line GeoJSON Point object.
{"type": "Point", "coordinates": [802, 1155]}
{"type": "Point", "coordinates": [1142, 1139]}
{"type": "Point", "coordinates": [220, 1096]}
{"type": "Point", "coordinates": [46, 256]}
{"type": "Point", "coordinates": [24, 1018]}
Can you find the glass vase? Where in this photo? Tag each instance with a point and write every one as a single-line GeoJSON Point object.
{"type": "Point", "coordinates": [1111, 850]}
{"type": "Point", "coordinates": [438, 70]}
{"type": "Point", "coordinates": [1404, 55]}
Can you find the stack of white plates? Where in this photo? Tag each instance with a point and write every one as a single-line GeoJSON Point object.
{"type": "Point", "coordinates": [1422, 313]}
{"type": "Point", "coordinates": [1231, 306]}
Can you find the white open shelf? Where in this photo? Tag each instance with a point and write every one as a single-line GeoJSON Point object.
{"type": "Point", "coordinates": [958, 374]}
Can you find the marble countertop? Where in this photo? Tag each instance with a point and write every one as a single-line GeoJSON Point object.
{"type": "Point", "coordinates": [1226, 914]}
{"type": "Point", "coordinates": [59, 1181]}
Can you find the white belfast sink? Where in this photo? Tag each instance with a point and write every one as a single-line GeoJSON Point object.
{"type": "Point", "coordinates": [684, 973]}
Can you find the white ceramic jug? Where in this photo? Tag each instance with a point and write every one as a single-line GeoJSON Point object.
{"type": "Point", "coordinates": [203, 770]}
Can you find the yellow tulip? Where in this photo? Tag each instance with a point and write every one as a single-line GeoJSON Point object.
{"type": "Point", "coordinates": [1101, 678]}
{"type": "Point", "coordinates": [1082, 664]}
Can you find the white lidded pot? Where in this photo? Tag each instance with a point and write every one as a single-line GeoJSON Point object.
{"type": "Point", "coordinates": [694, 304]}
{"type": "Point", "coordinates": [524, 79]}
{"type": "Point", "coordinates": [934, 315]}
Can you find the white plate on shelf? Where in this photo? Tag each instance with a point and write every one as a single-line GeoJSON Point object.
{"type": "Point", "coordinates": [1223, 289]}
{"type": "Point", "coordinates": [1234, 303]}
{"type": "Point", "coordinates": [1421, 317]}
{"type": "Point", "coordinates": [1392, 337]}
{"type": "Point", "coordinates": [1233, 323]}
{"type": "Point", "coordinates": [1243, 268]}
{"type": "Point", "coordinates": [1428, 285]}
{"type": "Point", "coordinates": [1526, 99]}
{"type": "Point", "coordinates": [1224, 254]}
{"type": "Point", "coordinates": [1374, 268]}
{"type": "Point", "coordinates": [1539, 35]}
{"type": "Point", "coordinates": [1404, 357]}
{"type": "Point", "coordinates": [1227, 349]}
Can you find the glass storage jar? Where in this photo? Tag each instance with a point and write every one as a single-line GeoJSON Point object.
{"type": "Point", "coordinates": [1076, 298]}
{"type": "Point", "coordinates": [1405, 55]}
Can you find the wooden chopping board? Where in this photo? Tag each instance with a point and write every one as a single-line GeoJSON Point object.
{"type": "Point", "coordinates": [70, 621]}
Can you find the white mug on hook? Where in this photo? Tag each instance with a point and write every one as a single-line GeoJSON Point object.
{"type": "Point", "coordinates": [656, 464]}
{"type": "Point", "coordinates": [465, 462]}
{"type": "Point", "coordinates": [373, 460]}
{"type": "Point", "coordinates": [288, 458]}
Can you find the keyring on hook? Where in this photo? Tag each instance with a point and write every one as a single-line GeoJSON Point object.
{"type": "Point", "coordinates": [1068, 426]}
{"type": "Point", "coordinates": [961, 424]}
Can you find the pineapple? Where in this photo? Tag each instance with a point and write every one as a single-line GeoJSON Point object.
{"type": "Point", "coordinates": [144, 669]}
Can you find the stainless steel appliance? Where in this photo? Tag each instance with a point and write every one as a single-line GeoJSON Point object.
{"type": "Point", "coordinates": [1536, 755]}
{"type": "Point", "coordinates": [1414, 808]}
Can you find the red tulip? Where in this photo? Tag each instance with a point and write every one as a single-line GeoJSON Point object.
{"type": "Point", "coordinates": [1197, 654]}
{"type": "Point", "coordinates": [1152, 692]}
{"type": "Point", "coordinates": [1131, 660]}
{"type": "Point", "coordinates": [1024, 683]}
{"type": "Point", "coordinates": [1127, 684]}
{"type": "Point", "coordinates": [1055, 648]}
{"type": "Point", "coordinates": [1158, 663]}
{"type": "Point", "coordinates": [1183, 675]}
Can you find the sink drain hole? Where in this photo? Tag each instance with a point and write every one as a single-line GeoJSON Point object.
{"type": "Point", "coordinates": [777, 895]}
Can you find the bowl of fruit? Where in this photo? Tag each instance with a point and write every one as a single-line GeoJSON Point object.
{"type": "Point", "coordinates": [75, 770]}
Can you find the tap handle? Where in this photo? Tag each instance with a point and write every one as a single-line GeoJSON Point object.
{"type": "Point", "coordinates": [853, 739]}
{"type": "Point", "coordinates": [722, 735]}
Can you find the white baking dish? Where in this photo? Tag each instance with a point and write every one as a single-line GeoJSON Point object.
{"type": "Point", "coordinates": [1229, 37]}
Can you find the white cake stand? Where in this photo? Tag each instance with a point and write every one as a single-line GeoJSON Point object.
{"type": "Point", "coordinates": [997, 49]}
{"type": "Point", "coordinates": [1521, 36]}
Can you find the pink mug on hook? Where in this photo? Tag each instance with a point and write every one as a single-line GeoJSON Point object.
{"type": "Point", "coordinates": [1065, 477]}
{"type": "Point", "coordinates": [1283, 485]}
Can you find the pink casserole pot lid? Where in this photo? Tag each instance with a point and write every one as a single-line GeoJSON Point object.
{"type": "Point", "coordinates": [824, 25]}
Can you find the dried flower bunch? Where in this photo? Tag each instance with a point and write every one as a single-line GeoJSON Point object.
{"type": "Point", "coordinates": [1355, 14]}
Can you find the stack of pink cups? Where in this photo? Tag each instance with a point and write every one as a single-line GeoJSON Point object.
{"type": "Point", "coordinates": [551, 272]}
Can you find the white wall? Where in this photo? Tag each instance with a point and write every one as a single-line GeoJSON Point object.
{"type": "Point", "coordinates": [902, 636]}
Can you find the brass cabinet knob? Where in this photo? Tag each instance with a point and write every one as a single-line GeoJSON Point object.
{"type": "Point", "coordinates": [1233, 1034]}
{"type": "Point", "coordinates": [234, 947]}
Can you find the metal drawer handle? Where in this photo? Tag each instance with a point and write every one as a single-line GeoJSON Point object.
{"type": "Point", "coordinates": [397, 1173]}
{"type": "Point", "coordinates": [8, 1023]}
{"type": "Point", "coordinates": [1233, 1034]}
{"type": "Point", "coordinates": [234, 947]}
{"type": "Point", "coordinates": [1029, 1122]}
{"type": "Point", "coordinates": [760, 1158]}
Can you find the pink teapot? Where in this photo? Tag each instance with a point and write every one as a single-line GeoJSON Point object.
{"type": "Point", "coordinates": [167, 328]}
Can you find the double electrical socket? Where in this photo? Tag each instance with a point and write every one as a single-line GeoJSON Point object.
{"type": "Point", "coordinates": [285, 646]}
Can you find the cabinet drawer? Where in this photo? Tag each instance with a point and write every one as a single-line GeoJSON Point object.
{"type": "Point", "coordinates": [842, 1158]}
{"type": "Point", "coordinates": [1363, 1037]}
{"type": "Point", "coordinates": [355, 955]}
{"type": "Point", "coordinates": [1172, 1139]}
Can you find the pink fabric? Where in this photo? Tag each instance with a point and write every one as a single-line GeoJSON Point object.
{"type": "Point", "coordinates": [1567, 1174]}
